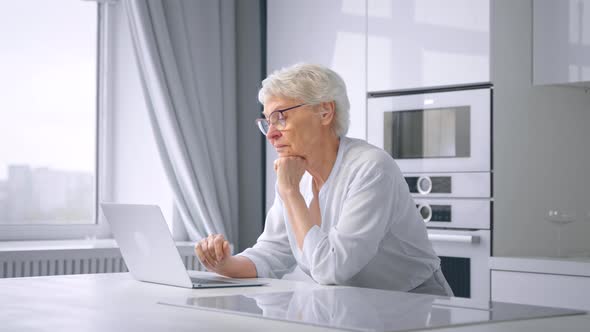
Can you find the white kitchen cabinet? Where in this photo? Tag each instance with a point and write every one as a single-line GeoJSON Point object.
{"type": "Point", "coordinates": [425, 43]}
{"type": "Point", "coordinates": [328, 32]}
{"type": "Point", "coordinates": [561, 42]}
{"type": "Point", "coordinates": [549, 282]}
{"type": "Point", "coordinates": [550, 290]}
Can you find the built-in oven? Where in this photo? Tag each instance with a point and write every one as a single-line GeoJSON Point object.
{"type": "Point", "coordinates": [464, 256]}
{"type": "Point", "coordinates": [460, 232]}
{"type": "Point", "coordinates": [439, 130]}
{"type": "Point", "coordinates": [441, 140]}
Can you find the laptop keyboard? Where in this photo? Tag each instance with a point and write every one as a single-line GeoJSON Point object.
{"type": "Point", "coordinates": [209, 281]}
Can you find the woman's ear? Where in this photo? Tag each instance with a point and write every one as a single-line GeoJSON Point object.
{"type": "Point", "coordinates": [328, 110]}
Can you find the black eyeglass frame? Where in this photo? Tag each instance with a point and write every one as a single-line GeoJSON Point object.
{"type": "Point", "coordinates": [260, 122]}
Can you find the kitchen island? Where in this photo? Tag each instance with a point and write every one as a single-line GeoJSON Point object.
{"type": "Point", "coordinates": [117, 302]}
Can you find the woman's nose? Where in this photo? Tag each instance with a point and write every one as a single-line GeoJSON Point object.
{"type": "Point", "coordinates": [273, 133]}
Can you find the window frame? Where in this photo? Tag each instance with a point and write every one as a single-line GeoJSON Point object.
{"type": "Point", "coordinates": [99, 229]}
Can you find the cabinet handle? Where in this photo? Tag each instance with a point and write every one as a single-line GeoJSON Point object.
{"type": "Point", "coordinates": [454, 238]}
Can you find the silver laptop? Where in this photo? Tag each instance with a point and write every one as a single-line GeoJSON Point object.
{"type": "Point", "coordinates": [149, 251]}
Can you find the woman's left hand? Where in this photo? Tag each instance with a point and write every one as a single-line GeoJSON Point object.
{"type": "Point", "coordinates": [289, 172]}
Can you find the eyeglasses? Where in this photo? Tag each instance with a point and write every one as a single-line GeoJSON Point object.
{"type": "Point", "coordinates": [276, 118]}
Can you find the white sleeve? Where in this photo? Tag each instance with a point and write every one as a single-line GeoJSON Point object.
{"type": "Point", "coordinates": [338, 255]}
{"type": "Point", "coordinates": [272, 253]}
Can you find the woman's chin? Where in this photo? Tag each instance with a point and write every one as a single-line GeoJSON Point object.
{"type": "Point", "coordinates": [283, 152]}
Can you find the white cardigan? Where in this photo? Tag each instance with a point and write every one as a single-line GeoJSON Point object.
{"type": "Point", "coordinates": [371, 233]}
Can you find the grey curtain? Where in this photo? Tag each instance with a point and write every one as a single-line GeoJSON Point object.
{"type": "Point", "coordinates": [186, 56]}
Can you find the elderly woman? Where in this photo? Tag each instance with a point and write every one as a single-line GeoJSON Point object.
{"type": "Point", "coordinates": [342, 211]}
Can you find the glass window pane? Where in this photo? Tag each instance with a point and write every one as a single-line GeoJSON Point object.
{"type": "Point", "coordinates": [48, 113]}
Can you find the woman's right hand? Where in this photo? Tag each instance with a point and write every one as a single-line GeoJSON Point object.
{"type": "Point", "coordinates": [213, 252]}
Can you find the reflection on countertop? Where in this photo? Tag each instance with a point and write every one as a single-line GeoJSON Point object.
{"type": "Point", "coordinates": [363, 309]}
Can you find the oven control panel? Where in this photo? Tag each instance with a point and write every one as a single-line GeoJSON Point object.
{"type": "Point", "coordinates": [465, 213]}
{"type": "Point", "coordinates": [457, 185]}
{"type": "Point", "coordinates": [439, 213]}
{"type": "Point", "coordinates": [426, 184]}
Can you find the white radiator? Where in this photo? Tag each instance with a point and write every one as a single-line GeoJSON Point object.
{"type": "Point", "coordinates": [60, 261]}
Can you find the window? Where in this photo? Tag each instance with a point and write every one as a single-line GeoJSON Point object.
{"type": "Point", "coordinates": [49, 60]}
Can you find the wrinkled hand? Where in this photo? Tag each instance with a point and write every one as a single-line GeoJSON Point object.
{"type": "Point", "coordinates": [289, 172]}
{"type": "Point", "coordinates": [213, 251]}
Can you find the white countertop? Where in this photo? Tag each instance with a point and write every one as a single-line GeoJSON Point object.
{"type": "Point", "coordinates": [564, 266]}
{"type": "Point", "coordinates": [105, 302]}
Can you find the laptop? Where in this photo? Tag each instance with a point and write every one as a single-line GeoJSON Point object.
{"type": "Point", "coordinates": [150, 252]}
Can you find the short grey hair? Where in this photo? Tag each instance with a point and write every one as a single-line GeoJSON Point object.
{"type": "Point", "coordinates": [312, 84]}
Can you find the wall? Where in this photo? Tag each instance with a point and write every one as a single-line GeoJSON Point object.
{"type": "Point", "coordinates": [541, 147]}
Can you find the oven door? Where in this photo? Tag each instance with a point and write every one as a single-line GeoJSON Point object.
{"type": "Point", "coordinates": [434, 132]}
{"type": "Point", "coordinates": [464, 258]}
